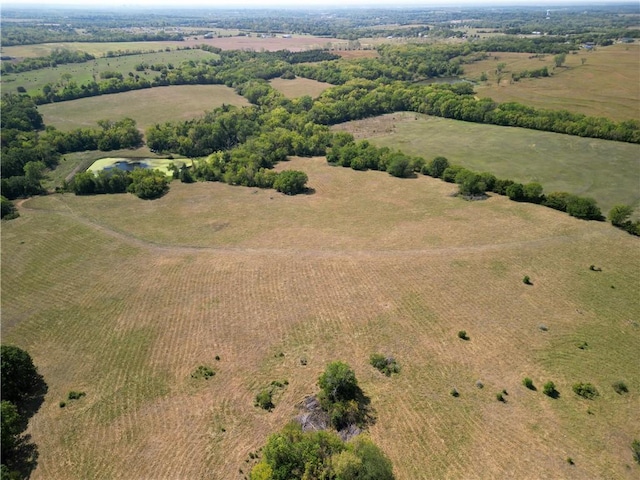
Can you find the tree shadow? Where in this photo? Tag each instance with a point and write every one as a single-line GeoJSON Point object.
{"type": "Point", "coordinates": [24, 458]}
{"type": "Point", "coordinates": [29, 405]}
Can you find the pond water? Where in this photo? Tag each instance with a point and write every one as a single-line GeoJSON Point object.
{"type": "Point", "coordinates": [127, 166]}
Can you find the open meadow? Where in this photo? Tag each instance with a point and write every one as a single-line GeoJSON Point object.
{"type": "Point", "coordinates": [123, 299]}
{"type": "Point", "coordinates": [147, 107]}
{"type": "Point", "coordinates": [605, 170]}
{"type": "Point", "coordinates": [604, 82]}
{"type": "Point", "coordinates": [299, 86]}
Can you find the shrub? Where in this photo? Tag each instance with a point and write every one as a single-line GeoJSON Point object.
{"type": "Point", "coordinates": [635, 448]}
{"type": "Point", "coordinates": [218, 357]}
{"type": "Point", "coordinates": [479, 384]}
{"type": "Point", "coordinates": [148, 184]}
{"type": "Point", "coordinates": [549, 389]}
{"type": "Point", "coordinates": [583, 208]}
{"type": "Point", "coordinates": [570, 461]}
{"type": "Point", "coordinates": [620, 387]}
{"type": "Point", "coordinates": [526, 280]}
{"type": "Point", "coordinates": [463, 335]}
{"type": "Point", "coordinates": [585, 390]}
{"type": "Point", "coordinates": [436, 167]}
{"type": "Point", "coordinates": [500, 397]}
{"type": "Point", "coordinates": [63, 404]}
{"type": "Point", "coordinates": [8, 209]}
{"type": "Point", "coordinates": [454, 393]}
{"type": "Point", "coordinates": [527, 382]}
{"type": "Point", "coordinates": [291, 182]}
{"type": "Point", "coordinates": [203, 372]}
{"type": "Point", "coordinates": [386, 365]}
{"type": "Point", "coordinates": [264, 399]}
{"type": "Point", "coordinates": [73, 395]}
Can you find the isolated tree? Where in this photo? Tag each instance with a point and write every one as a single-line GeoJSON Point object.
{"type": "Point", "coordinates": [559, 59]}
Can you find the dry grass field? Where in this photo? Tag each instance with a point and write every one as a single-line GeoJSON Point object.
{"type": "Point", "coordinates": [124, 298]}
{"type": "Point", "coordinates": [605, 170]}
{"type": "Point", "coordinates": [606, 85]}
{"type": "Point", "coordinates": [147, 107]}
{"type": "Point", "coordinates": [299, 87]}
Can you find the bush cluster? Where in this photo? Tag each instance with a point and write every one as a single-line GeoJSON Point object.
{"type": "Point", "coordinates": [203, 372]}
{"type": "Point", "coordinates": [385, 364]}
{"type": "Point", "coordinates": [585, 390]}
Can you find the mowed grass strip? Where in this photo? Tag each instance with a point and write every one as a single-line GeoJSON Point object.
{"type": "Point", "coordinates": [123, 298]}
{"type": "Point", "coordinates": [605, 170]}
{"type": "Point", "coordinates": [147, 107]}
{"type": "Point", "coordinates": [298, 87]}
{"type": "Point", "coordinates": [607, 84]}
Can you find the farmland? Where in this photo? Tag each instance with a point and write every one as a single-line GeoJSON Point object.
{"type": "Point", "coordinates": [248, 274]}
{"type": "Point", "coordinates": [158, 318]}
{"type": "Point", "coordinates": [147, 107]}
{"type": "Point", "coordinates": [607, 84]}
{"type": "Point", "coordinates": [607, 171]}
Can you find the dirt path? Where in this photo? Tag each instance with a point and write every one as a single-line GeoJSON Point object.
{"type": "Point", "coordinates": [315, 253]}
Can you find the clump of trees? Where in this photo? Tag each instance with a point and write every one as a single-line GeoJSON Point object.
{"type": "Point", "coordinates": [292, 454]}
{"type": "Point", "coordinates": [341, 397]}
{"type": "Point", "coordinates": [144, 183]}
{"type": "Point", "coordinates": [22, 394]}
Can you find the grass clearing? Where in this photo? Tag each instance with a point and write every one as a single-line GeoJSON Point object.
{"type": "Point", "coordinates": [147, 107]}
{"type": "Point", "coordinates": [299, 87]}
{"type": "Point", "coordinates": [606, 85]}
{"type": "Point", "coordinates": [605, 170]}
{"type": "Point", "coordinates": [121, 298]}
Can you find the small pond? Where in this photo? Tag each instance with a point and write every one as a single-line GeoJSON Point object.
{"type": "Point", "coordinates": [128, 164]}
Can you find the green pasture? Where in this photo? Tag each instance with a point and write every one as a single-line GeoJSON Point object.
{"type": "Point", "coordinates": [81, 73]}
{"type": "Point", "coordinates": [605, 170]}
{"type": "Point", "coordinates": [147, 106]}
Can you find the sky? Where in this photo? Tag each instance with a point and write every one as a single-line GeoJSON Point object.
{"type": "Point", "coordinates": [297, 3]}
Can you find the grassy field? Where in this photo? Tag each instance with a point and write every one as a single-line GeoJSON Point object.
{"type": "Point", "coordinates": [605, 170]}
{"type": "Point", "coordinates": [147, 107]}
{"type": "Point", "coordinates": [124, 298]}
{"type": "Point", "coordinates": [606, 85]}
{"type": "Point", "coordinates": [299, 87]}
{"type": "Point", "coordinates": [81, 73]}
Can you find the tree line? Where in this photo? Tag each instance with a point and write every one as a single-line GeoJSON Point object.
{"type": "Point", "coordinates": [58, 56]}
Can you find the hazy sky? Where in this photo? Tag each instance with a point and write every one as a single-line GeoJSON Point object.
{"type": "Point", "coordinates": [298, 3]}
